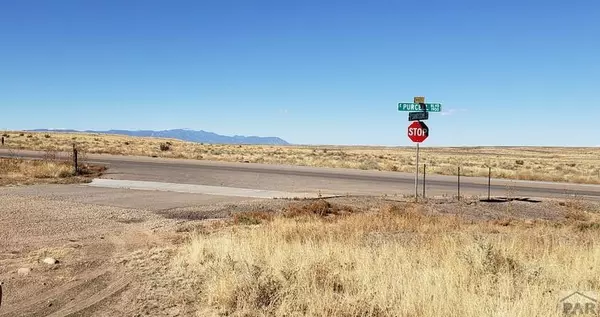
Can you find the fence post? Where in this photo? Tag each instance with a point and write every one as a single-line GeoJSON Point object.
{"type": "Point", "coordinates": [458, 185]}
{"type": "Point", "coordinates": [489, 182]}
{"type": "Point", "coordinates": [75, 167]}
{"type": "Point", "coordinates": [424, 175]}
{"type": "Point", "coordinates": [3, 141]}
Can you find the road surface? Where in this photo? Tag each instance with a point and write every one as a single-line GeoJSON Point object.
{"type": "Point", "coordinates": [326, 181]}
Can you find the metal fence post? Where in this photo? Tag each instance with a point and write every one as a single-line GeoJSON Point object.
{"type": "Point", "coordinates": [417, 176]}
{"type": "Point", "coordinates": [489, 182]}
{"type": "Point", "coordinates": [458, 185]}
{"type": "Point", "coordinates": [424, 175]}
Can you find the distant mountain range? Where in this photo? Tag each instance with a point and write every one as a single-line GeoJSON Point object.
{"type": "Point", "coordinates": [187, 135]}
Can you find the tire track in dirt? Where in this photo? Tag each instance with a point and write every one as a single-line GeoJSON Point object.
{"type": "Point", "coordinates": [37, 302]}
{"type": "Point", "coordinates": [107, 292]}
{"type": "Point", "coordinates": [38, 306]}
{"type": "Point", "coordinates": [94, 246]}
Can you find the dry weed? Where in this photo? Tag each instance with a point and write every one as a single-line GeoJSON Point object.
{"type": "Point", "coordinates": [19, 171]}
{"type": "Point", "coordinates": [320, 208]}
{"type": "Point", "coordinates": [399, 261]}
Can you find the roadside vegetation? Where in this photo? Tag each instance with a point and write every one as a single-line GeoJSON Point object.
{"type": "Point", "coordinates": [16, 171]}
{"type": "Point", "coordinates": [576, 165]}
{"type": "Point", "coordinates": [322, 259]}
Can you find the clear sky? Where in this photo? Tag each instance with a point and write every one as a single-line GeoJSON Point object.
{"type": "Point", "coordinates": [313, 71]}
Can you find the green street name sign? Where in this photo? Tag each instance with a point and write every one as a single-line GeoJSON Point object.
{"type": "Point", "coordinates": [409, 106]}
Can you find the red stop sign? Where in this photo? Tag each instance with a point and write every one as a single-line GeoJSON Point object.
{"type": "Point", "coordinates": [418, 131]}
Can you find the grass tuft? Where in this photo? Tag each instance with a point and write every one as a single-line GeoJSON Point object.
{"type": "Point", "coordinates": [165, 147]}
{"type": "Point", "coordinates": [320, 208]}
{"type": "Point", "coordinates": [252, 218]}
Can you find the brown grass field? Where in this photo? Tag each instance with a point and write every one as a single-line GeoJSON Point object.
{"type": "Point", "coordinates": [576, 165]}
{"type": "Point", "coordinates": [399, 259]}
{"type": "Point", "coordinates": [14, 171]}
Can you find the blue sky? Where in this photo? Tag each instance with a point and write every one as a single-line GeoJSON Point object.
{"type": "Point", "coordinates": [312, 72]}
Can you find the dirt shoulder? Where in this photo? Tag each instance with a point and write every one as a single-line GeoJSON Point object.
{"type": "Point", "coordinates": [86, 240]}
{"type": "Point", "coordinates": [119, 261]}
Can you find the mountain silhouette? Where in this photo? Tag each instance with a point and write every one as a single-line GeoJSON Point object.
{"type": "Point", "coordinates": [187, 135]}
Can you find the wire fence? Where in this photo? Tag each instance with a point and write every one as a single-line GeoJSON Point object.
{"type": "Point", "coordinates": [423, 185]}
{"type": "Point", "coordinates": [485, 190]}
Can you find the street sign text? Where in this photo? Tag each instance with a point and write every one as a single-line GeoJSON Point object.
{"type": "Point", "coordinates": [410, 106]}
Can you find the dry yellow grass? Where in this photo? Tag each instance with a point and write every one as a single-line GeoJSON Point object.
{"type": "Point", "coordinates": [577, 165]}
{"type": "Point", "coordinates": [19, 171]}
{"type": "Point", "coordinates": [393, 262]}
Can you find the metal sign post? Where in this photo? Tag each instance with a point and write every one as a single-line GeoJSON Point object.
{"type": "Point", "coordinates": [417, 175]}
{"type": "Point", "coordinates": [418, 131]}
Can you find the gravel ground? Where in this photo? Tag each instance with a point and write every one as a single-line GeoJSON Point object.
{"type": "Point", "coordinates": [92, 233]}
{"type": "Point", "coordinates": [85, 239]}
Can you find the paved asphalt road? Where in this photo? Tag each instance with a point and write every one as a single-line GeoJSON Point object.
{"type": "Point", "coordinates": [327, 181]}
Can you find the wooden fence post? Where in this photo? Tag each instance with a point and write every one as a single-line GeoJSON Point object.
{"type": "Point", "coordinates": [75, 167]}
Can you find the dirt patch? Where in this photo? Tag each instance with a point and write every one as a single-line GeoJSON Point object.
{"type": "Point", "coordinates": [192, 214]}
{"type": "Point", "coordinates": [222, 210]}
{"type": "Point", "coordinates": [66, 254]}
{"type": "Point", "coordinates": [131, 220]}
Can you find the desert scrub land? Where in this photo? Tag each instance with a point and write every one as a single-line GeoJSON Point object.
{"type": "Point", "coordinates": [325, 258]}
{"type": "Point", "coordinates": [14, 171]}
{"type": "Point", "coordinates": [576, 165]}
